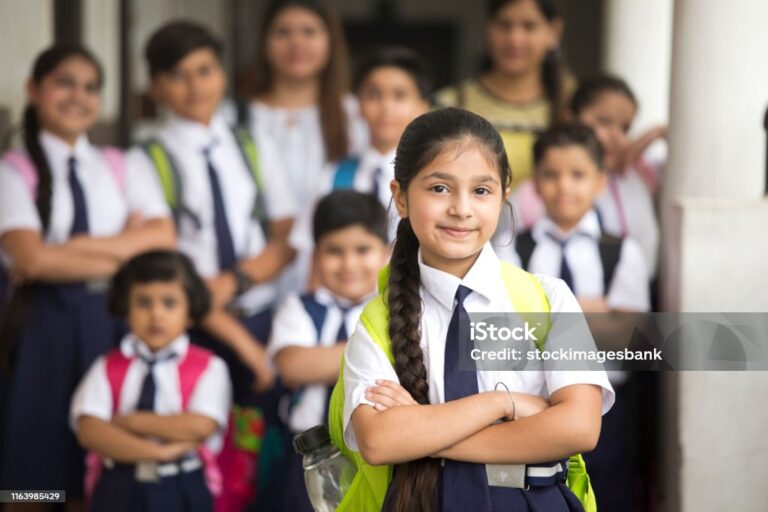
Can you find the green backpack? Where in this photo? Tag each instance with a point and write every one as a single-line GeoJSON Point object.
{"type": "Point", "coordinates": [369, 487]}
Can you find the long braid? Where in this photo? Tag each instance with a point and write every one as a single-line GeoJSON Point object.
{"type": "Point", "coordinates": [43, 168]}
{"type": "Point", "coordinates": [415, 482]}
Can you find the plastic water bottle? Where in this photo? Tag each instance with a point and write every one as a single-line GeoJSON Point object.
{"type": "Point", "coordinates": [327, 473]}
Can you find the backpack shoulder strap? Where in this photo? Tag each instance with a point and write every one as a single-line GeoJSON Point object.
{"type": "Point", "coordinates": [117, 367]}
{"type": "Point", "coordinates": [170, 180]}
{"type": "Point", "coordinates": [528, 297]}
{"type": "Point", "coordinates": [525, 245]}
{"type": "Point", "coordinates": [190, 369]}
{"type": "Point", "coordinates": [116, 161]}
{"type": "Point", "coordinates": [249, 150]}
{"type": "Point", "coordinates": [316, 311]}
{"type": "Point", "coordinates": [20, 161]}
{"type": "Point", "coordinates": [344, 176]}
{"type": "Point", "coordinates": [610, 253]}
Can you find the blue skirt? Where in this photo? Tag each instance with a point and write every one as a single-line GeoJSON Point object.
{"type": "Point", "coordinates": [64, 330]}
{"type": "Point", "coordinates": [118, 491]}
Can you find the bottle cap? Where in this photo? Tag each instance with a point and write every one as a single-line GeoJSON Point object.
{"type": "Point", "coordinates": [311, 439]}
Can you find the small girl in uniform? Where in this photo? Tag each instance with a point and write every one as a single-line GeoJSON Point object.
{"type": "Point", "coordinates": [70, 213]}
{"type": "Point", "coordinates": [417, 407]}
{"type": "Point", "coordinates": [154, 408]}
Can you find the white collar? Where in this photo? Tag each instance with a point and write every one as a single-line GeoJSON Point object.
{"type": "Point", "coordinates": [132, 346]}
{"type": "Point", "coordinates": [482, 278]}
{"type": "Point", "coordinates": [193, 134]}
{"type": "Point", "coordinates": [327, 298]}
{"type": "Point", "coordinates": [59, 151]}
{"type": "Point", "coordinates": [588, 225]}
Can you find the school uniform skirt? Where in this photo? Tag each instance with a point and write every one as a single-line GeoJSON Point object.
{"type": "Point", "coordinates": [64, 328]}
{"type": "Point", "coordinates": [543, 494]}
{"type": "Point", "coordinates": [119, 491]}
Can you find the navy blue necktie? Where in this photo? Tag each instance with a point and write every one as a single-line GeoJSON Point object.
{"type": "Point", "coordinates": [148, 388]}
{"type": "Point", "coordinates": [376, 177]}
{"type": "Point", "coordinates": [225, 247]}
{"type": "Point", "coordinates": [465, 484]}
{"type": "Point", "coordinates": [80, 218]}
{"type": "Point", "coordinates": [565, 270]}
{"type": "Point", "coordinates": [342, 334]}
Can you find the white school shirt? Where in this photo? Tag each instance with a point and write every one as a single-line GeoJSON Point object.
{"type": "Point", "coordinates": [629, 288]}
{"type": "Point", "coordinates": [293, 327]}
{"type": "Point", "coordinates": [301, 237]}
{"type": "Point", "coordinates": [365, 361]}
{"type": "Point", "coordinates": [629, 195]}
{"type": "Point", "coordinates": [186, 142]}
{"type": "Point", "coordinates": [107, 202]}
{"type": "Point", "coordinates": [211, 397]}
{"type": "Point", "coordinates": [299, 139]}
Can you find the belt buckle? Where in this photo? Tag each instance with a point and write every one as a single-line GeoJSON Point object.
{"type": "Point", "coordinates": [146, 472]}
{"type": "Point", "coordinates": [506, 475]}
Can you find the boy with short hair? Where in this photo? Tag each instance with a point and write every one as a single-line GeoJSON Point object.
{"type": "Point", "coordinates": [310, 330]}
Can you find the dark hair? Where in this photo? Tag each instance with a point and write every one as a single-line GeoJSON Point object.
{"type": "Point", "coordinates": [174, 41]}
{"type": "Point", "coordinates": [345, 208]}
{"type": "Point", "coordinates": [334, 80]}
{"type": "Point", "coordinates": [552, 70]}
{"type": "Point", "coordinates": [45, 64]}
{"type": "Point", "coordinates": [569, 134]}
{"type": "Point", "coordinates": [399, 57]}
{"type": "Point", "coordinates": [162, 266]}
{"type": "Point", "coordinates": [415, 482]}
{"type": "Point", "coordinates": [591, 88]}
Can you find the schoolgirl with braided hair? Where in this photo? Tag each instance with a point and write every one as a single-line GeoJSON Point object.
{"type": "Point", "coordinates": [70, 214]}
{"type": "Point", "coordinates": [406, 402]}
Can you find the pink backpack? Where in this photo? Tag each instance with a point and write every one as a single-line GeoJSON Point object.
{"type": "Point", "coordinates": [19, 160]}
{"type": "Point", "coordinates": [190, 370]}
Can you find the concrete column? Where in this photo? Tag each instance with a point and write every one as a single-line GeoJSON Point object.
{"type": "Point", "coordinates": [637, 46]}
{"type": "Point", "coordinates": [714, 216]}
{"type": "Point", "coordinates": [27, 28]}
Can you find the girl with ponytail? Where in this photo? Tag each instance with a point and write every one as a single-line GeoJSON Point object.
{"type": "Point", "coordinates": [522, 87]}
{"type": "Point", "coordinates": [69, 215]}
{"type": "Point", "coordinates": [405, 402]}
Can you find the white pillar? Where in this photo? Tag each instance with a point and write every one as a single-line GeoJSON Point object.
{"type": "Point", "coordinates": [714, 215]}
{"type": "Point", "coordinates": [637, 47]}
{"type": "Point", "coordinates": [27, 28]}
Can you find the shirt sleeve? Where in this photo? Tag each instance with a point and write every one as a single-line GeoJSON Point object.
{"type": "Point", "coordinates": [213, 393]}
{"type": "Point", "coordinates": [291, 327]}
{"type": "Point", "coordinates": [17, 207]}
{"type": "Point", "coordinates": [279, 197]}
{"type": "Point", "coordinates": [364, 362]}
{"type": "Point", "coordinates": [144, 192]}
{"type": "Point", "coordinates": [629, 288]}
{"type": "Point", "coordinates": [93, 396]}
{"type": "Point", "coordinates": [567, 320]}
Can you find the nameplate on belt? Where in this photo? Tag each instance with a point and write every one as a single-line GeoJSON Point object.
{"type": "Point", "coordinates": [506, 475]}
{"type": "Point", "coordinates": [146, 472]}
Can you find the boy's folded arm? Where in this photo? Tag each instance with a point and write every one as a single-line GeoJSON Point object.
{"type": "Point", "coordinates": [310, 365]}
{"type": "Point", "coordinates": [184, 427]}
{"type": "Point", "coordinates": [571, 425]}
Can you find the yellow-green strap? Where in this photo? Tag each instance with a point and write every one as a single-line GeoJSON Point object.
{"type": "Point", "coordinates": [164, 170]}
{"type": "Point", "coordinates": [250, 153]}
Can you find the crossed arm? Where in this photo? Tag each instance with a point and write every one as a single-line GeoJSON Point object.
{"type": "Point", "coordinates": [82, 257]}
{"type": "Point", "coordinates": [124, 439]}
{"type": "Point", "coordinates": [468, 430]}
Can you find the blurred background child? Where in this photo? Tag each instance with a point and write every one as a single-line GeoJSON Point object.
{"type": "Point", "coordinates": [155, 408]}
{"type": "Point", "coordinates": [310, 330]}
